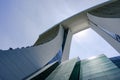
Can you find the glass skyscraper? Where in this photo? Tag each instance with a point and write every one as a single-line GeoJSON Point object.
{"type": "Point", "coordinates": [94, 68]}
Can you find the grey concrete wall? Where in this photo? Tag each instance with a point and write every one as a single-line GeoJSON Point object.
{"type": "Point", "coordinates": [20, 63]}
{"type": "Point", "coordinates": [109, 24]}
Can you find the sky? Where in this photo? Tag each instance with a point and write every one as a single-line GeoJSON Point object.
{"type": "Point", "coordinates": [88, 43]}
{"type": "Point", "coordinates": [22, 21]}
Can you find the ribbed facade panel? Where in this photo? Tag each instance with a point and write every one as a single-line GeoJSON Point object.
{"type": "Point", "coordinates": [20, 63]}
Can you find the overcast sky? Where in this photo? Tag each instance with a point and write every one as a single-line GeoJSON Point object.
{"type": "Point", "coordinates": [22, 21]}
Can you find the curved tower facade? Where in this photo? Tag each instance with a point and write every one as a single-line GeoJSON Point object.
{"type": "Point", "coordinates": [106, 21]}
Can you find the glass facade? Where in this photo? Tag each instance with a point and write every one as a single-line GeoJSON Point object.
{"type": "Point", "coordinates": [45, 72]}
{"type": "Point", "coordinates": [116, 61]}
{"type": "Point", "coordinates": [65, 71]}
{"type": "Point", "coordinates": [100, 68]}
{"type": "Point", "coordinates": [94, 68]}
{"type": "Point", "coordinates": [64, 38]}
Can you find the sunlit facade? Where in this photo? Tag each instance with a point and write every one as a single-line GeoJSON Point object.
{"type": "Point", "coordinates": [48, 58]}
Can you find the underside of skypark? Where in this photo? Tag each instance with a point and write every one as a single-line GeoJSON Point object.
{"type": "Point", "coordinates": [104, 19]}
{"type": "Point", "coordinates": [48, 57]}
